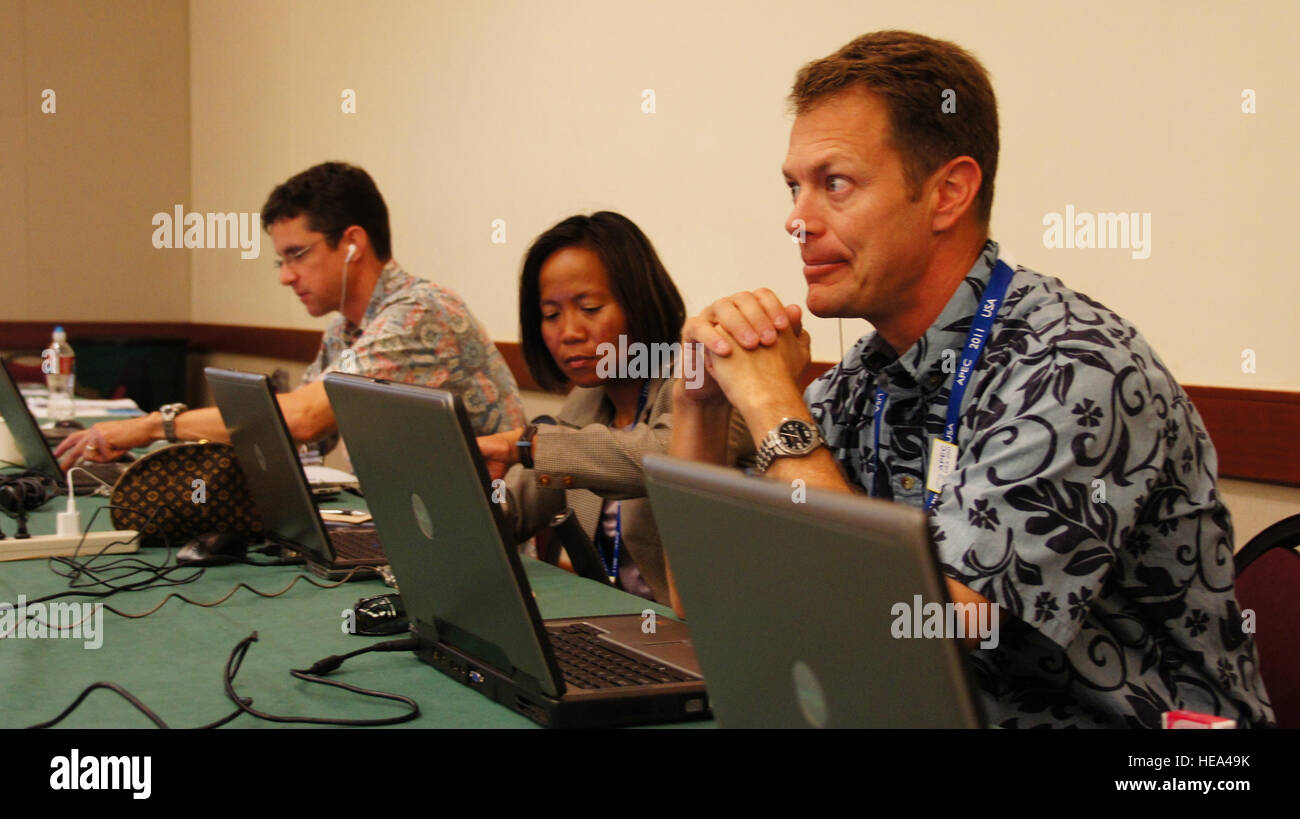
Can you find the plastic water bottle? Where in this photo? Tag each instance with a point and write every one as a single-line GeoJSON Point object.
{"type": "Point", "coordinates": [58, 362]}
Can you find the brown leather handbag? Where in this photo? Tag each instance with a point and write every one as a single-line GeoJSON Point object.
{"type": "Point", "coordinates": [179, 492]}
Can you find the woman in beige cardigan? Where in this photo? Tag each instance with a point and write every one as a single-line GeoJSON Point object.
{"type": "Point", "coordinates": [593, 299]}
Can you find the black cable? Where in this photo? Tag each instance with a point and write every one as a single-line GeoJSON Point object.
{"type": "Point", "coordinates": [135, 701]}
{"type": "Point", "coordinates": [227, 718]}
{"type": "Point", "coordinates": [158, 573]}
{"type": "Point", "coordinates": [80, 568]}
{"type": "Point", "coordinates": [83, 567]}
{"type": "Point", "coordinates": [125, 567]}
{"type": "Point", "coordinates": [332, 662]}
{"type": "Point", "coordinates": [245, 704]}
{"type": "Point", "coordinates": [20, 494]}
{"type": "Point", "coordinates": [116, 689]}
{"type": "Point", "coordinates": [236, 659]}
{"type": "Point", "coordinates": [229, 594]}
{"type": "Point", "coordinates": [158, 578]}
{"type": "Point", "coordinates": [32, 489]}
{"type": "Point", "coordinates": [182, 598]}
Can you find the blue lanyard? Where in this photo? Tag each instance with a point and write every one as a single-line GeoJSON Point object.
{"type": "Point", "coordinates": [980, 328]}
{"type": "Point", "coordinates": [876, 415]}
{"type": "Point", "coordinates": [611, 568]}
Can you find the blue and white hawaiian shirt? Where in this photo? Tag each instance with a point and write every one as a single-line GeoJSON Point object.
{"type": "Point", "coordinates": [1083, 503]}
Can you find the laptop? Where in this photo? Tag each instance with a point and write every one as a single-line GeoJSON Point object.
{"type": "Point", "coordinates": [275, 478]}
{"type": "Point", "coordinates": [35, 447]}
{"type": "Point", "coordinates": [463, 585]}
{"type": "Point", "coordinates": [791, 602]}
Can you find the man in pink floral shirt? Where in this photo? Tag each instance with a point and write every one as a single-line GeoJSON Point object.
{"type": "Point", "coordinates": [329, 226]}
{"type": "Point", "coordinates": [418, 332]}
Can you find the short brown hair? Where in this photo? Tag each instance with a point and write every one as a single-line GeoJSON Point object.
{"type": "Point", "coordinates": [911, 72]}
{"type": "Point", "coordinates": [334, 196]}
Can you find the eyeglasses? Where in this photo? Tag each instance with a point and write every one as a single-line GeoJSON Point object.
{"type": "Point", "coordinates": [296, 256]}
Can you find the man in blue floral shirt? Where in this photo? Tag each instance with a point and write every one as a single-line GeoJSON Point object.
{"type": "Point", "coordinates": [1074, 483]}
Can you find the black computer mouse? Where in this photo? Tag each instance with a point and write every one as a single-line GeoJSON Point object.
{"type": "Point", "coordinates": [69, 424]}
{"type": "Point", "coordinates": [212, 549]}
{"type": "Point", "coordinates": [381, 614]}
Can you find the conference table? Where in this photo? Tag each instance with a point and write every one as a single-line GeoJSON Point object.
{"type": "Point", "coordinates": [174, 659]}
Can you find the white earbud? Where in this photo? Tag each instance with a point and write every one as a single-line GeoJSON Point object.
{"type": "Point", "coordinates": [343, 297]}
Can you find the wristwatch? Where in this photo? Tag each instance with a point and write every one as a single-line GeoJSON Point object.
{"type": "Point", "coordinates": [169, 413]}
{"type": "Point", "coordinates": [791, 438]}
{"type": "Point", "coordinates": [524, 446]}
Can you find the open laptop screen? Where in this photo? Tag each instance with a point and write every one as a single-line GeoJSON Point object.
{"type": "Point", "coordinates": [24, 429]}
{"type": "Point", "coordinates": [414, 451]}
{"type": "Point", "coordinates": [792, 601]}
{"type": "Point", "coordinates": [270, 461]}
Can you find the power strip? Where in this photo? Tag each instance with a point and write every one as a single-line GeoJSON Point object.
{"type": "Point", "coordinates": [112, 542]}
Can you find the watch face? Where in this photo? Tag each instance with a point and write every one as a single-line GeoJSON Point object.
{"type": "Point", "coordinates": [795, 435]}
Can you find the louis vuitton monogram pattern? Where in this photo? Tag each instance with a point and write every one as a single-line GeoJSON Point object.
{"type": "Point", "coordinates": [188, 490]}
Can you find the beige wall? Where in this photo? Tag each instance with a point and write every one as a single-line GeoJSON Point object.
{"type": "Point", "coordinates": [530, 111]}
{"type": "Point", "coordinates": [201, 396]}
{"type": "Point", "coordinates": [1256, 506]}
{"type": "Point", "coordinates": [523, 111]}
{"type": "Point", "coordinates": [81, 184]}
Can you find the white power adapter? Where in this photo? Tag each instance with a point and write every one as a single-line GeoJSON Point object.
{"type": "Point", "coordinates": [69, 522]}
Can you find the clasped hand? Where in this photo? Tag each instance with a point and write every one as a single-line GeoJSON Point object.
{"type": "Point", "coordinates": [752, 346]}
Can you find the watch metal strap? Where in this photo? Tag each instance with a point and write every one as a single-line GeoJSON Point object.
{"type": "Point", "coordinates": [772, 448]}
{"type": "Point", "coordinates": [767, 451]}
{"type": "Point", "coordinates": [169, 413]}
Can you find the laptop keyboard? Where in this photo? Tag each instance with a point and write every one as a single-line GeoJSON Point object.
{"type": "Point", "coordinates": [356, 543]}
{"type": "Point", "coordinates": [589, 662]}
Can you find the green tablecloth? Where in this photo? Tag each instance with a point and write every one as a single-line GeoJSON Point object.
{"type": "Point", "coordinates": [173, 660]}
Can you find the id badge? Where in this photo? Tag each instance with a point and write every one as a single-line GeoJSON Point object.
{"type": "Point", "coordinates": [943, 462]}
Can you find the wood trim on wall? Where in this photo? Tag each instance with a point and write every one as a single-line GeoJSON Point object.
{"type": "Point", "coordinates": [1253, 430]}
{"type": "Point", "coordinates": [513, 353]}
{"type": "Point", "coordinates": [27, 335]}
{"type": "Point", "coordinates": [814, 371]}
{"type": "Point", "coordinates": [271, 342]}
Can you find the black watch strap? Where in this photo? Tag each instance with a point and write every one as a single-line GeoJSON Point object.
{"type": "Point", "coordinates": [525, 446]}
